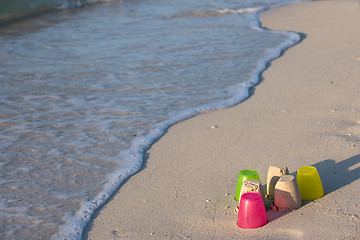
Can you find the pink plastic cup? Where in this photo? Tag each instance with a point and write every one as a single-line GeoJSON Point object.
{"type": "Point", "coordinates": [252, 213]}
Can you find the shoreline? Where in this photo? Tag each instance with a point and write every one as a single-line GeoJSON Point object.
{"type": "Point", "coordinates": [302, 114]}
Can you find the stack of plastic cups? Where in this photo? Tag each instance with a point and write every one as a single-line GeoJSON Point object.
{"type": "Point", "coordinates": [286, 192]}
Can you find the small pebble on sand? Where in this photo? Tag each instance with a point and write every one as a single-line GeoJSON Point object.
{"type": "Point", "coordinates": [213, 127]}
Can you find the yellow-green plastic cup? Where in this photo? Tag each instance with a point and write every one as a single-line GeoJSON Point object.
{"type": "Point", "coordinates": [309, 183]}
{"type": "Point", "coordinates": [243, 176]}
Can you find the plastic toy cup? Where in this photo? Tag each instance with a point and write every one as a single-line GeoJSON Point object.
{"type": "Point", "coordinates": [309, 183]}
{"type": "Point", "coordinates": [245, 175]}
{"type": "Point", "coordinates": [252, 213]}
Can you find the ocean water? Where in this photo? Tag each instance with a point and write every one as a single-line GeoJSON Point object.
{"type": "Point", "coordinates": [87, 89]}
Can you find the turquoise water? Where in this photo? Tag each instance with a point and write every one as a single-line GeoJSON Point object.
{"type": "Point", "coordinates": [85, 91]}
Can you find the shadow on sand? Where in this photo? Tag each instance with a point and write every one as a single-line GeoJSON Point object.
{"type": "Point", "coordinates": [337, 175]}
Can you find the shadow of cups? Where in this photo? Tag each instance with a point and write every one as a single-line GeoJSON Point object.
{"type": "Point", "coordinates": [335, 175]}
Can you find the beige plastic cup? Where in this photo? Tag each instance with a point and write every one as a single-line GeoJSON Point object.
{"type": "Point", "coordinates": [274, 174]}
{"type": "Point", "coordinates": [287, 194]}
{"type": "Point", "coordinates": [252, 185]}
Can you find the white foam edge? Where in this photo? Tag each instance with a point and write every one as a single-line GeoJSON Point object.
{"type": "Point", "coordinates": [75, 225]}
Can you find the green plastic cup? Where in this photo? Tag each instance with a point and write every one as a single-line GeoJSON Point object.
{"type": "Point", "coordinates": [243, 176]}
{"type": "Point", "coordinates": [309, 183]}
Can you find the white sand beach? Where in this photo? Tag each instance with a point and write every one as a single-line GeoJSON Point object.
{"type": "Point", "coordinates": [305, 111]}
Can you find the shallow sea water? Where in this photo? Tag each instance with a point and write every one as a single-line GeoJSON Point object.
{"type": "Point", "coordinates": [85, 91]}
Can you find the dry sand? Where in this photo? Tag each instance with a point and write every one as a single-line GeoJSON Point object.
{"type": "Point", "coordinates": [306, 111]}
